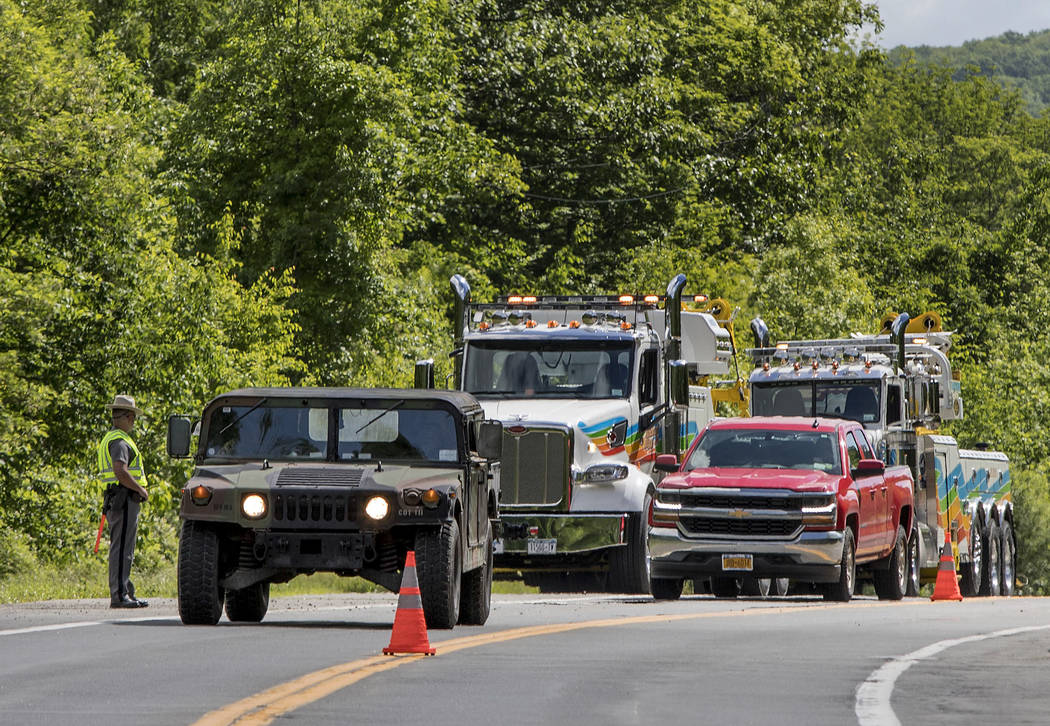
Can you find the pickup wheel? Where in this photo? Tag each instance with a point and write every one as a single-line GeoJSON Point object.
{"type": "Point", "coordinates": [666, 589]}
{"type": "Point", "coordinates": [200, 596]}
{"type": "Point", "coordinates": [913, 564]}
{"type": "Point", "coordinates": [892, 583]}
{"type": "Point", "coordinates": [440, 569]}
{"type": "Point", "coordinates": [724, 587]}
{"type": "Point", "coordinates": [970, 582]}
{"type": "Point", "coordinates": [248, 605]}
{"type": "Point", "coordinates": [629, 566]}
{"type": "Point", "coordinates": [1009, 551]}
{"type": "Point", "coordinates": [755, 586]}
{"type": "Point", "coordinates": [477, 591]}
{"type": "Point", "coordinates": [991, 582]}
{"type": "Point", "coordinates": [779, 586]}
{"type": "Point", "coordinates": [842, 591]}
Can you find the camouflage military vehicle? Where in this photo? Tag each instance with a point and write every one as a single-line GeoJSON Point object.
{"type": "Point", "coordinates": [293, 481]}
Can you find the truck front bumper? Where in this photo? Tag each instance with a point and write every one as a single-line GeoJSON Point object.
{"type": "Point", "coordinates": [557, 541]}
{"type": "Point", "coordinates": [810, 557]}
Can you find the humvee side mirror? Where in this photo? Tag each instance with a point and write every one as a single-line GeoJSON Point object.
{"type": "Point", "coordinates": [490, 439]}
{"type": "Point", "coordinates": [179, 431]}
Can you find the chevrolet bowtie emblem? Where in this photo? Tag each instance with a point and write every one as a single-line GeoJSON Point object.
{"type": "Point", "coordinates": [739, 513]}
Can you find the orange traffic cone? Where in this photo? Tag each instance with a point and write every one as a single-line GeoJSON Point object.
{"type": "Point", "coordinates": [410, 627]}
{"type": "Point", "coordinates": [946, 587]}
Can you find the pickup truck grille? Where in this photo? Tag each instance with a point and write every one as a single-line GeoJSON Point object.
{"type": "Point", "coordinates": [745, 513]}
{"type": "Point", "coordinates": [741, 528]}
{"type": "Point", "coordinates": [535, 466]}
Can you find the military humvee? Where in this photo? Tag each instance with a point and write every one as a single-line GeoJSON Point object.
{"type": "Point", "coordinates": [293, 481]}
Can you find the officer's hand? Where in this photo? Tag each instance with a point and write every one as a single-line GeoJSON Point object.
{"type": "Point", "coordinates": [140, 498]}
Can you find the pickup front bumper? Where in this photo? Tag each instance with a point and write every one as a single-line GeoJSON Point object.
{"type": "Point", "coordinates": [809, 557]}
{"type": "Point", "coordinates": [557, 541]}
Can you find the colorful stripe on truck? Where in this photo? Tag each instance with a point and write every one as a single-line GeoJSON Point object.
{"type": "Point", "coordinates": [638, 448]}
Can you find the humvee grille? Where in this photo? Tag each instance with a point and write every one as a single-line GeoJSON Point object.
{"type": "Point", "coordinates": [535, 466]}
{"type": "Point", "coordinates": [313, 507]}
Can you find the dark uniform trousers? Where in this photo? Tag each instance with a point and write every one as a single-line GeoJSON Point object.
{"type": "Point", "coordinates": [123, 517]}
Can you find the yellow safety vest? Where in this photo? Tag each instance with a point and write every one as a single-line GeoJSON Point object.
{"type": "Point", "coordinates": [105, 461]}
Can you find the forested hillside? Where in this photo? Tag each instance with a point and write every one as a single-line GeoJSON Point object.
{"type": "Point", "coordinates": [1015, 61]}
{"type": "Point", "coordinates": [207, 194]}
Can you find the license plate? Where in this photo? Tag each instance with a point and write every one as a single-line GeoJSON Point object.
{"type": "Point", "coordinates": [743, 563]}
{"type": "Point", "coordinates": [542, 546]}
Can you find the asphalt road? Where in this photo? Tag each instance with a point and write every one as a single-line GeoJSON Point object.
{"type": "Point", "coordinates": [539, 660]}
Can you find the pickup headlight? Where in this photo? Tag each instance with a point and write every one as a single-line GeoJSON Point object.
{"type": "Point", "coordinates": [820, 511]}
{"type": "Point", "coordinates": [601, 473]}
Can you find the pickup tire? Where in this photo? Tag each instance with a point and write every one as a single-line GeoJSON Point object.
{"type": "Point", "coordinates": [248, 605]}
{"type": "Point", "coordinates": [1009, 549]}
{"type": "Point", "coordinates": [666, 588]}
{"type": "Point", "coordinates": [914, 565]}
{"type": "Point", "coordinates": [779, 586]}
{"type": "Point", "coordinates": [970, 582]}
{"type": "Point", "coordinates": [439, 566]}
{"type": "Point", "coordinates": [755, 586]}
{"type": "Point", "coordinates": [200, 596]}
{"type": "Point", "coordinates": [477, 591]}
{"type": "Point", "coordinates": [725, 587]}
{"type": "Point", "coordinates": [892, 583]}
{"type": "Point", "coordinates": [629, 566]}
{"type": "Point", "coordinates": [991, 581]}
{"type": "Point", "coordinates": [842, 591]}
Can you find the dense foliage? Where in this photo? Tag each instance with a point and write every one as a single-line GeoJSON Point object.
{"type": "Point", "coordinates": [202, 194]}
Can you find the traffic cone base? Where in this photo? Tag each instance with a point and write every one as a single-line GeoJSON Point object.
{"type": "Point", "coordinates": [947, 586]}
{"type": "Point", "coordinates": [410, 626]}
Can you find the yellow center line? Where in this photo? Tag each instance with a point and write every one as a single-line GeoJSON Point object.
{"type": "Point", "coordinates": [263, 707]}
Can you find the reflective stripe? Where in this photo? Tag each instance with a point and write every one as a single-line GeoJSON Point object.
{"type": "Point", "coordinates": [409, 601]}
{"type": "Point", "coordinates": [105, 461]}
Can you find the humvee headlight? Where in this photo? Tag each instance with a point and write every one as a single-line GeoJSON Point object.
{"type": "Point", "coordinates": [431, 497]}
{"type": "Point", "coordinates": [253, 506]}
{"type": "Point", "coordinates": [377, 508]}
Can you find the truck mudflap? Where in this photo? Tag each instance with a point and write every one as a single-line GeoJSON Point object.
{"type": "Point", "coordinates": [542, 536]}
{"type": "Point", "coordinates": [812, 557]}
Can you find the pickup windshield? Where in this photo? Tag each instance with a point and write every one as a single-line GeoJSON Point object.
{"type": "Point", "coordinates": [766, 449]}
{"type": "Point", "coordinates": [850, 400]}
{"type": "Point", "coordinates": [386, 430]}
{"type": "Point", "coordinates": [552, 369]}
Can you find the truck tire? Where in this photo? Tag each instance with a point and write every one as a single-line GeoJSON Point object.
{"type": "Point", "coordinates": [970, 582]}
{"type": "Point", "coordinates": [1009, 551]}
{"type": "Point", "coordinates": [755, 586]}
{"type": "Point", "coordinates": [914, 565]}
{"type": "Point", "coordinates": [477, 591]}
{"type": "Point", "coordinates": [439, 566]}
{"type": "Point", "coordinates": [629, 566]}
{"type": "Point", "coordinates": [892, 583]}
{"type": "Point", "coordinates": [779, 586]}
{"type": "Point", "coordinates": [200, 596]}
{"type": "Point", "coordinates": [842, 591]}
{"type": "Point", "coordinates": [991, 579]}
{"type": "Point", "coordinates": [724, 587]}
{"type": "Point", "coordinates": [666, 588]}
{"type": "Point", "coordinates": [248, 605]}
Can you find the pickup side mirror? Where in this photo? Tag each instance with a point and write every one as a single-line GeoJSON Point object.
{"type": "Point", "coordinates": [490, 439]}
{"type": "Point", "coordinates": [870, 467]}
{"type": "Point", "coordinates": [666, 462]}
{"type": "Point", "coordinates": [180, 428]}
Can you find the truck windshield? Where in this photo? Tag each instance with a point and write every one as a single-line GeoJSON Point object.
{"type": "Point", "coordinates": [858, 402]}
{"type": "Point", "coordinates": [551, 369]}
{"type": "Point", "coordinates": [765, 449]}
{"type": "Point", "coordinates": [383, 429]}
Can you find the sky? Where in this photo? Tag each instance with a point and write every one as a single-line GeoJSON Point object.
{"type": "Point", "coordinates": [953, 22]}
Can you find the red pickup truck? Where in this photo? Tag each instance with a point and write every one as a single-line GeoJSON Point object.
{"type": "Point", "coordinates": [781, 497]}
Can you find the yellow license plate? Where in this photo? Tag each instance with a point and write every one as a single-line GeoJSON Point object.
{"type": "Point", "coordinates": [738, 563]}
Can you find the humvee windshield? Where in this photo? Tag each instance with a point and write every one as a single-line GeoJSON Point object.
{"type": "Point", "coordinates": [386, 430]}
{"type": "Point", "coordinates": [551, 369]}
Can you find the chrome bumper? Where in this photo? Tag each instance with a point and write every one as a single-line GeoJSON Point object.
{"type": "Point", "coordinates": [810, 557]}
{"type": "Point", "coordinates": [572, 534]}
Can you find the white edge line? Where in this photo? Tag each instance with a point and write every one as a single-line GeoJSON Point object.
{"type": "Point", "coordinates": [873, 695]}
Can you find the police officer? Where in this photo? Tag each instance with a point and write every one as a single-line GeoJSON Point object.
{"type": "Point", "coordinates": [120, 468]}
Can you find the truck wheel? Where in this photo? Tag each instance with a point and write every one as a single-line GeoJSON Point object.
{"type": "Point", "coordinates": [1009, 552]}
{"type": "Point", "coordinates": [914, 565]}
{"type": "Point", "coordinates": [666, 588]}
{"type": "Point", "coordinates": [724, 586]}
{"type": "Point", "coordinates": [477, 591]}
{"type": "Point", "coordinates": [755, 586]}
{"type": "Point", "coordinates": [891, 583]}
{"type": "Point", "coordinates": [248, 605]}
{"type": "Point", "coordinates": [842, 591]}
{"type": "Point", "coordinates": [991, 582]}
{"type": "Point", "coordinates": [200, 596]}
{"type": "Point", "coordinates": [779, 586]}
{"type": "Point", "coordinates": [970, 582]}
{"type": "Point", "coordinates": [629, 566]}
{"type": "Point", "coordinates": [439, 566]}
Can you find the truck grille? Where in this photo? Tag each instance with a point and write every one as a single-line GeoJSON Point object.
{"type": "Point", "coordinates": [315, 508]}
{"type": "Point", "coordinates": [535, 466]}
{"type": "Point", "coordinates": [744, 513]}
{"type": "Point", "coordinates": [740, 528]}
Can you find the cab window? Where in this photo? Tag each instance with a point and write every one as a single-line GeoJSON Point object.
{"type": "Point", "coordinates": [852, 450]}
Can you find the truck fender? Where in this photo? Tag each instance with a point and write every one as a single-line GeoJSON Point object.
{"type": "Point", "coordinates": [625, 495]}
